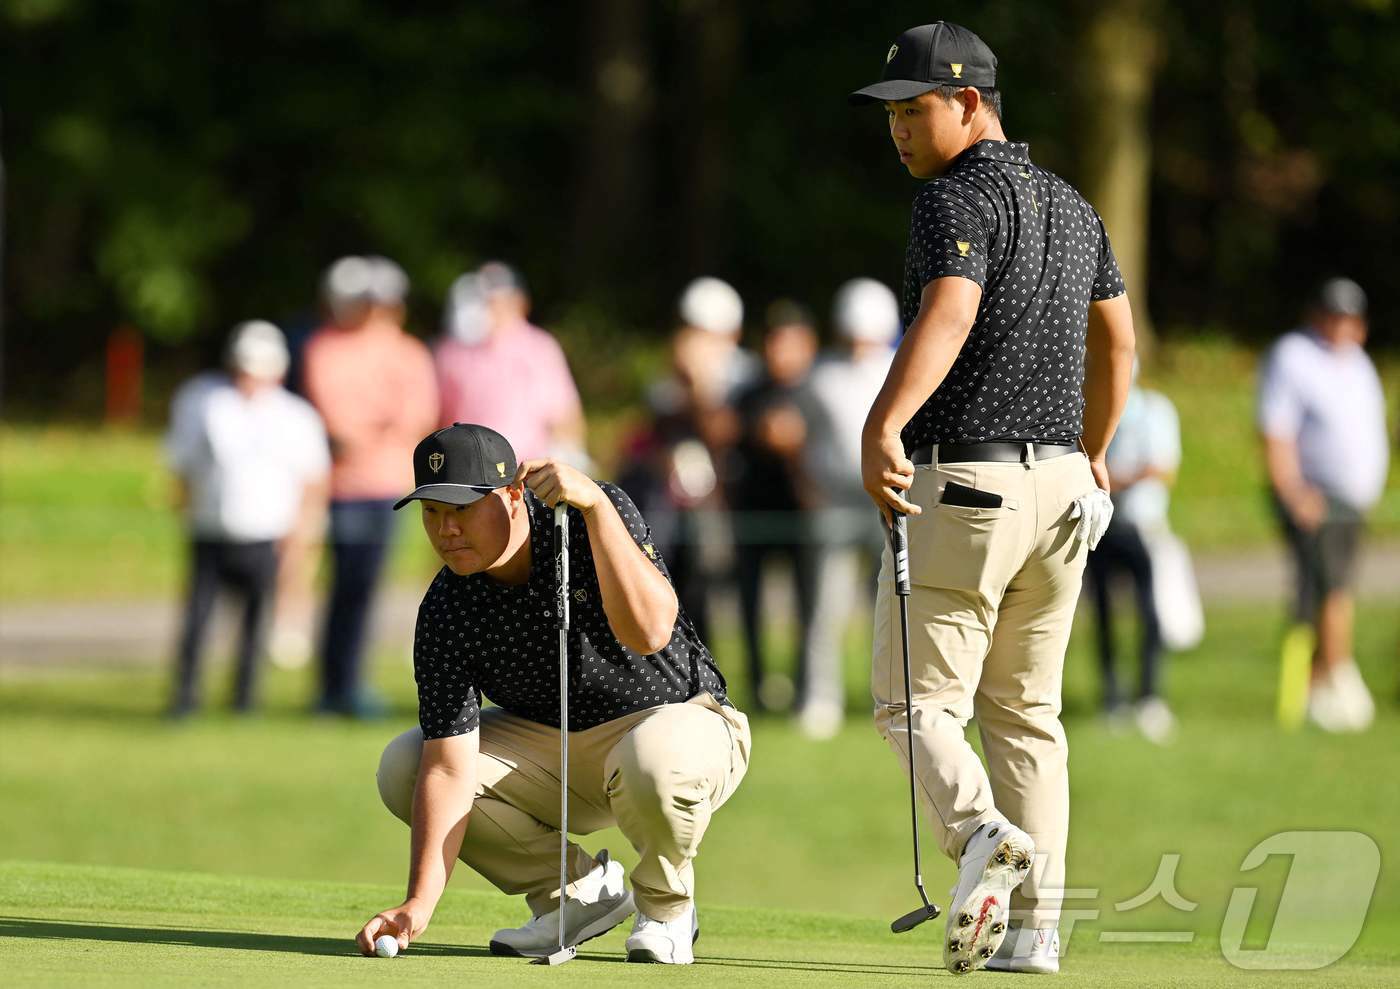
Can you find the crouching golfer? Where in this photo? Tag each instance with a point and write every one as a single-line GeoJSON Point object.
{"type": "Point", "coordinates": [654, 747]}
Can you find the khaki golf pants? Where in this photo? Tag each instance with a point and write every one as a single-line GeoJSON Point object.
{"type": "Point", "coordinates": [657, 774]}
{"type": "Point", "coordinates": [992, 601]}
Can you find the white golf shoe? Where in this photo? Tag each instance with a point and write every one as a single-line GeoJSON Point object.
{"type": "Point", "coordinates": [1155, 720]}
{"type": "Point", "coordinates": [1028, 949]}
{"type": "Point", "coordinates": [994, 862]}
{"type": "Point", "coordinates": [665, 942]}
{"type": "Point", "coordinates": [1355, 698]}
{"type": "Point", "coordinates": [1328, 708]}
{"type": "Point", "coordinates": [599, 903]}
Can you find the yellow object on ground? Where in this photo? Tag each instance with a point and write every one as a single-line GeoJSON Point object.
{"type": "Point", "coordinates": [1295, 673]}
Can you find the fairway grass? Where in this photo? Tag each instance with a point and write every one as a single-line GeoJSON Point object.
{"type": "Point", "coordinates": [77, 493]}
{"type": "Point", "coordinates": [96, 926]}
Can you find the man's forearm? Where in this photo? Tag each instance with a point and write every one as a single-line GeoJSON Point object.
{"type": "Point", "coordinates": [1285, 471]}
{"type": "Point", "coordinates": [442, 801]}
{"type": "Point", "coordinates": [925, 356]}
{"type": "Point", "coordinates": [1108, 372]}
{"type": "Point", "coordinates": [639, 601]}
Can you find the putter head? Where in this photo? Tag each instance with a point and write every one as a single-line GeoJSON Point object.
{"type": "Point", "coordinates": [557, 958]}
{"type": "Point", "coordinates": [914, 918]}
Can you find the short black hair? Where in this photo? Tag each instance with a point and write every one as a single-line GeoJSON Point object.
{"type": "Point", "coordinates": [991, 98]}
{"type": "Point", "coordinates": [788, 312]}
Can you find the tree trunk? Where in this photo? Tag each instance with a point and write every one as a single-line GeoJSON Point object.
{"type": "Point", "coordinates": [713, 30]}
{"type": "Point", "coordinates": [613, 185]}
{"type": "Point", "coordinates": [1120, 53]}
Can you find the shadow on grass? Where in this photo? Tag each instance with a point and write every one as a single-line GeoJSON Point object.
{"type": "Point", "coordinates": [829, 967]}
{"type": "Point", "coordinates": [31, 927]}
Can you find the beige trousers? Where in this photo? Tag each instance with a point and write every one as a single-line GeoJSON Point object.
{"type": "Point", "coordinates": [992, 601]}
{"type": "Point", "coordinates": [657, 774]}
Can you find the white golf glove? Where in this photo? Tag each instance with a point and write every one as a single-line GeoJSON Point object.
{"type": "Point", "coordinates": [1094, 511]}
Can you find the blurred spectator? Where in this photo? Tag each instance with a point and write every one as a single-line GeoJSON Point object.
{"type": "Point", "coordinates": [769, 491]}
{"type": "Point", "coordinates": [714, 314]}
{"type": "Point", "coordinates": [1142, 462]}
{"type": "Point", "coordinates": [673, 462]}
{"type": "Point", "coordinates": [496, 368]}
{"type": "Point", "coordinates": [374, 386]}
{"type": "Point", "coordinates": [845, 529]}
{"type": "Point", "coordinates": [1321, 413]}
{"type": "Point", "coordinates": [251, 460]}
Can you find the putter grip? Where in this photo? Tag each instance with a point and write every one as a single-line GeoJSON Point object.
{"type": "Point", "coordinates": [561, 564]}
{"type": "Point", "coordinates": [899, 548]}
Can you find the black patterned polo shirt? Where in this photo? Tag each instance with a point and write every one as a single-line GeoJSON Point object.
{"type": "Point", "coordinates": [479, 637]}
{"type": "Point", "coordinates": [1041, 255]}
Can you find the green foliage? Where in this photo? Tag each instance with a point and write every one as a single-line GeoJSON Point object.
{"type": "Point", "coordinates": [183, 166]}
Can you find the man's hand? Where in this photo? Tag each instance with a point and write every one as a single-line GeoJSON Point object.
{"type": "Point", "coordinates": [1099, 468]}
{"type": "Point", "coordinates": [887, 473]}
{"type": "Point", "coordinates": [554, 481]}
{"type": "Point", "coordinates": [404, 923]}
{"type": "Point", "coordinates": [1308, 506]}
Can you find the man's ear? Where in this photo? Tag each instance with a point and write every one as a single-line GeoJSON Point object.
{"type": "Point", "coordinates": [972, 102]}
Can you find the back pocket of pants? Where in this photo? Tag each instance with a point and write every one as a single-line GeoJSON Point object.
{"type": "Point", "coordinates": [952, 546]}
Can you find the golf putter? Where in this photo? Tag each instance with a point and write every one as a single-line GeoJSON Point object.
{"type": "Point", "coordinates": [899, 549]}
{"type": "Point", "coordinates": [564, 953]}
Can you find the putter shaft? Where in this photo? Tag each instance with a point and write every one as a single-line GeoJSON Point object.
{"type": "Point", "coordinates": [899, 549]}
{"type": "Point", "coordinates": [561, 584]}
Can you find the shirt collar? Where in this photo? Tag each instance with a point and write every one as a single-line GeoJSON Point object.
{"type": "Point", "coordinates": [1013, 152]}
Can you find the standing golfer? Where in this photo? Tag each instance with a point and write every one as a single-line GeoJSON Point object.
{"type": "Point", "coordinates": [977, 436]}
{"type": "Point", "coordinates": [654, 746]}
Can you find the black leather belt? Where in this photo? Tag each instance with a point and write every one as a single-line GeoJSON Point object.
{"type": "Point", "coordinates": [996, 453]}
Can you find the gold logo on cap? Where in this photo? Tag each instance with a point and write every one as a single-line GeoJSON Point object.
{"type": "Point", "coordinates": [963, 247]}
{"type": "Point", "coordinates": [957, 69]}
{"type": "Point", "coordinates": [435, 461]}
{"type": "Point", "coordinates": [501, 468]}
{"type": "Point", "coordinates": [649, 550]}
{"type": "Point", "coordinates": [894, 50]}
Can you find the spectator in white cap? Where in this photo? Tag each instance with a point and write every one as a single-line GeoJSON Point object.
{"type": "Point", "coordinates": [375, 388]}
{"type": "Point", "coordinates": [692, 427]}
{"type": "Point", "coordinates": [251, 462]}
{"type": "Point", "coordinates": [707, 344]}
{"type": "Point", "coordinates": [838, 394]}
{"type": "Point", "coordinates": [497, 369]}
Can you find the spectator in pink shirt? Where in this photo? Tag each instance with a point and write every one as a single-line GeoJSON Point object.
{"type": "Point", "coordinates": [375, 389]}
{"type": "Point", "coordinates": [497, 369]}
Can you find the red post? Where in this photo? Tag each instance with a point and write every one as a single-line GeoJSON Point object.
{"type": "Point", "coordinates": [124, 365]}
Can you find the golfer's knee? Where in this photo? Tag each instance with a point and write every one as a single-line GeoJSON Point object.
{"type": "Point", "coordinates": [398, 773]}
{"type": "Point", "coordinates": [656, 786]}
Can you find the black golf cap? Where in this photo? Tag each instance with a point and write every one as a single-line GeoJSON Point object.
{"type": "Point", "coordinates": [1342, 296]}
{"type": "Point", "coordinates": [928, 56]}
{"type": "Point", "coordinates": [460, 464]}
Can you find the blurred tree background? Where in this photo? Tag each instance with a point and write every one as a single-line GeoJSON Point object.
{"type": "Point", "coordinates": [178, 167]}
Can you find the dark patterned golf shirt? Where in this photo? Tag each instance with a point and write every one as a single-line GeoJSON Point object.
{"type": "Point", "coordinates": [1040, 253]}
{"type": "Point", "coordinates": [477, 636]}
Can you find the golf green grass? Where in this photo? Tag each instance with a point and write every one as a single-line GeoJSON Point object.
{"type": "Point", "coordinates": [234, 851]}
{"type": "Point", "coordinates": [93, 926]}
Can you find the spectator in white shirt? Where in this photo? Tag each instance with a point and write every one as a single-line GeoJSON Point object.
{"type": "Point", "coordinates": [252, 463]}
{"type": "Point", "coordinates": [1321, 414]}
{"type": "Point", "coordinates": [838, 394]}
{"type": "Point", "coordinates": [1142, 463]}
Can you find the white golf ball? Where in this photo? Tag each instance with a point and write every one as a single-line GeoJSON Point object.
{"type": "Point", "coordinates": [386, 946]}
